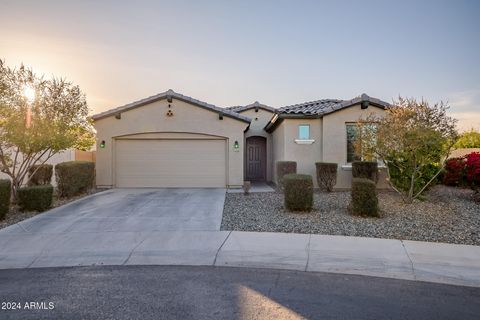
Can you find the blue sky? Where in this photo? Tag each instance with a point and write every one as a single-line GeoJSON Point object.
{"type": "Point", "coordinates": [236, 52]}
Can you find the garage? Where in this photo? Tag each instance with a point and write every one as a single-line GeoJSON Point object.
{"type": "Point", "coordinates": [173, 163]}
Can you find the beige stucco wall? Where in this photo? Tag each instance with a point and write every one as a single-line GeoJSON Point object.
{"type": "Point", "coordinates": [152, 118]}
{"type": "Point", "coordinates": [278, 148]}
{"type": "Point", "coordinates": [335, 141]}
{"type": "Point", "coordinates": [259, 121]}
{"type": "Point", "coordinates": [304, 154]}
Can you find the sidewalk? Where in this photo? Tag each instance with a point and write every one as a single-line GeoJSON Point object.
{"type": "Point", "coordinates": [409, 260]}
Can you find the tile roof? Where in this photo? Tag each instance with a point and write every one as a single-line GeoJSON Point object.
{"type": "Point", "coordinates": [326, 106]}
{"type": "Point", "coordinates": [256, 104]}
{"type": "Point", "coordinates": [167, 95]}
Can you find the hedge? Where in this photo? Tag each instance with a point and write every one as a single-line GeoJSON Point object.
{"type": "Point", "coordinates": [283, 168]}
{"type": "Point", "coordinates": [326, 175]}
{"type": "Point", "coordinates": [35, 198]}
{"type": "Point", "coordinates": [365, 169]}
{"type": "Point", "coordinates": [364, 197]}
{"type": "Point", "coordinates": [42, 176]}
{"type": "Point", "coordinates": [298, 192]}
{"type": "Point", "coordinates": [74, 177]}
{"type": "Point", "coordinates": [5, 193]}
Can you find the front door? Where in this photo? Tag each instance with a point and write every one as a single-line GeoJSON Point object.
{"type": "Point", "coordinates": [256, 159]}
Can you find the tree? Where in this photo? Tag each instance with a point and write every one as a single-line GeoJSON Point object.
{"type": "Point", "coordinates": [469, 139]}
{"type": "Point", "coordinates": [412, 140]}
{"type": "Point", "coordinates": [38, 119]}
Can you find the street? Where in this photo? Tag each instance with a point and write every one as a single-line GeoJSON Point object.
{"type": "Point", "coordinates": [172, 292]}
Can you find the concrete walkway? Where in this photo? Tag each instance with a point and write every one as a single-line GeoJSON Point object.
{"type": "Point", "coordinates": [79, 242]}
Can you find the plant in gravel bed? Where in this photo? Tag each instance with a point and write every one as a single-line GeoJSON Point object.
{"type": "Point", "coordinates": [5, 194]}
{"type": "Point", "coordinates": [74, 177]}
{"type": "Point", "coordinates": [37, 198]}
{"type": "Point", "coordinates": [364, 197]}
{"type": "Point", "coordinates": [283, 168]}
{"type": "Point", "coordinates": [412, 139]}
{"type": "Point", "coordinates": [365, 169]}
{"type": "Point", "coordinates": [326, 175]}
{"type": "Point", "coordinates": [298, 192]}
{"type": "Point", "coordinates": [40, 174]}
{"type": "Point", "coordinates": [454, 171]}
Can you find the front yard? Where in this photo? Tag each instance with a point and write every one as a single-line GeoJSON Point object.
{"type": "Point", "coordinates": [447, 215]}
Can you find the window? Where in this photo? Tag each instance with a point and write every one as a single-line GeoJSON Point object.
{"type": "Point", "coordinates": [304, 132]}
{"type": "Point", "coordinates": [352, 134]}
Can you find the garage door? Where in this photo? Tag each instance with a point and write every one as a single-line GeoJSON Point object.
{"type": "Point", "coordinates": [170, 163]}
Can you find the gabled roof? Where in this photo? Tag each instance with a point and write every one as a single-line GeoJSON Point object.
{"type": "Point", "coordinates": [254, 105]}
{"type": "Point", "coordinates": [319, 108]}
{"type": "Point", "coordinates": [326, 106]}
{"type": "Point", "coordinates": [170, 94]}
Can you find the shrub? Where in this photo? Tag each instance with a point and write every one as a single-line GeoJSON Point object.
{"type": "Point", "coordinates": [42, 175]}
{"type": "Point", "coordinates": [74, 177]}
{"type": "Point", "coordinates": [472, 169]}
{"type": "Point", "coordinates": [454, 171]}
{"type": "Point", "coordinates": [283, 168]}
{"type": "Point", "coordinates": [326, 175]}
{"type": "Point", "coordinates": [365, 169]}
{"type": "Point", "coordinates": [364, 197]}
{"type": "Point", "coordinates": [5, 193]}
{"type": "Point", "coordinates": [38, 198]}
{"type": "Point", "coordinates": [298, 192]}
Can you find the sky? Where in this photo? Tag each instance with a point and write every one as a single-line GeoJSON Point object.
{"type": "Point", "coordinates": [236, 52]}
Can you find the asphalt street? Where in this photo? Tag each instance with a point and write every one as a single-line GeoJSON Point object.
{"type": "Point", "coordinates": [171, 292]}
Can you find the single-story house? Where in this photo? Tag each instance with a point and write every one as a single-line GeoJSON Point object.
{"type": "Point", "coordinates": [171, 140]}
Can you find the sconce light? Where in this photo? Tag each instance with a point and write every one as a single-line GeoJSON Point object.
{"type": "Point", "coordinates": [220, 116]}
{"type": "Point", "coordinates": [365, 104]}
{"type": "Point", "coordinates": [102, 144]}
{"type": "Point", "coordinates": [236, 146]}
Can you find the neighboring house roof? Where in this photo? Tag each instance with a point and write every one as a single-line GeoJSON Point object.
{"type": "Point", "coordinates": [254, 105]}
{"type": "Point", "coordinates": [169, 95]}
{"type": "Point", "coordinates": [319, 108]}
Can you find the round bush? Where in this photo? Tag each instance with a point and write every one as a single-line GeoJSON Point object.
{"type": "Point", "coordinates": [74, 177]}
{"type": "Point", "coordinates": [326, 175]}
{"type": "Point", "coordinates": [364, 197]}
{"type": "Point", "coordinates": [35, 198]}
{"type": "Point", "coordinates": [40, 174]}
{"type": "Point", "coordinates": [5, 193]}
{"type": "Point", "coordinates": [298, 192]}
{"type": "Point", "coordinates": [283, 168]}
{"type": "Point", "coordinates": [365, 169]}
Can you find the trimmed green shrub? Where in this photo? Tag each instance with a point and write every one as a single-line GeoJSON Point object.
{"type": "Point", "coordinates": [365, 169]}
{"type": "Point", "coordinates": [42, 176]}
{"type": "Point", "coordinates": [283, 168]}
{"type": "Point", "coordinates": [74, 177]}
{"type": "Point", "coordinates": [298, 192]}
{"type": "Point", "coordinates": [35, 198]}
{"type": "Point", "coordinates": [326, 175]}
{"type": "Point", "coordinates": [5, 193]}
{"type": "Point", "coordinates": [364, 197]}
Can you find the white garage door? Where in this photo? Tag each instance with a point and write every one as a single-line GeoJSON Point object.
{"type": "Point", "coordinates": [170, 163]}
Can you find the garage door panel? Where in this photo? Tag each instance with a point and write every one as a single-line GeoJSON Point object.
{"type": "Point", "coordinates": [170, 163]}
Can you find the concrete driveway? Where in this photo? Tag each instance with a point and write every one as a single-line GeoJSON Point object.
{"type": "Point", "coordinates": [134, 210]}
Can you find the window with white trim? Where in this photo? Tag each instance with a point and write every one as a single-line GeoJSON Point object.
{"type": "Point", "coordinates": [304, 132]}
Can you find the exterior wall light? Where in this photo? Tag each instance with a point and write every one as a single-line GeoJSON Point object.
{"type": "Point", "coordinates": [102, 144]}
{"type": "Point", "coordinates": [236, 146]}
{"type": "Point", "coordinates": [365, 104]}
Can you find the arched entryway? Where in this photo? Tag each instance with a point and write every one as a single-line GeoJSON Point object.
{"type": "Point", "coordinates": [256, 159]}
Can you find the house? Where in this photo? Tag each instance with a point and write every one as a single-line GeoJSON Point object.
{"type": "Point", "coordinates": [171, 140]}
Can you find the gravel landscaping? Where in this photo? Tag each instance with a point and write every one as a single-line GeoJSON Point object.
{"type": "Point", "coordinates": [15, 215]}
{"type": "Point", "coordinates": [447, 214]}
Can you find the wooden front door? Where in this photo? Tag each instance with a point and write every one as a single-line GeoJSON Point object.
{"type": "Point", "coordinates": [256, 159]}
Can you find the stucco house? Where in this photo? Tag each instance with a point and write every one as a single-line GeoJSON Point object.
{"type": "Point", "coordinates": [171, 140]}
